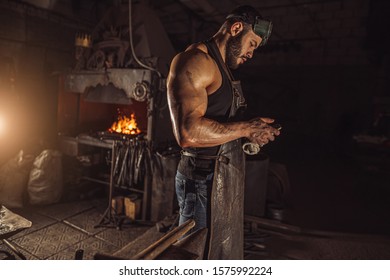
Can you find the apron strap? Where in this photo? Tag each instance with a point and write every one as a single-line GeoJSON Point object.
{"type": "Point", "coordinates": [238, 98]}
{"type": "Point", "coordinates": [217, 55]}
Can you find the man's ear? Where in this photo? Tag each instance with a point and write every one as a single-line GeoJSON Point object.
{"type": "Point", "coordinates": [236, 28]}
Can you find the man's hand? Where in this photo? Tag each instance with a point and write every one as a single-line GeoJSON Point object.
{"type": "Point", "coordinates": [261, 131]}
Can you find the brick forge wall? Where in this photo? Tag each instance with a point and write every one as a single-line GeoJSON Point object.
{"type": "Point", "coordinates": [317, 75]}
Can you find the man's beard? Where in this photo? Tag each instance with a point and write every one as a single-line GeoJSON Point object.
{"type": "Point", "coordinates": [233, 51]}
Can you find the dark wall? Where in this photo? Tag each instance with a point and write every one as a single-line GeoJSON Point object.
{"type": "Point", "coordinates": [324, 73]}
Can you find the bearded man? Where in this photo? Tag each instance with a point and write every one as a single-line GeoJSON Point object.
{"type": "Point", "coordinates": [203, 99]}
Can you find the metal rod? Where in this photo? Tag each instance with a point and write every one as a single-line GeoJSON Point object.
{"type": "Point", "coordinates": [13, 249]}
{"type": "Point", "coordinates": [113, 151]}
{"type": "Point", "coordinates": [154, 250]}
{"type": "Point", "coordinates": [272, 224]}
{"type": "Point", "coordinates": [108, 213]}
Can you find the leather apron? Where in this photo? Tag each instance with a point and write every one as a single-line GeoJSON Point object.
{"type": "Point", "coordinates": [227, 193]}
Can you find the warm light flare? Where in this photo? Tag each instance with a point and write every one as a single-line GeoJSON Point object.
{"type": "Point", "coordinates": [125, 125]}
{"type": "Point", "coordinates": [2, 125]}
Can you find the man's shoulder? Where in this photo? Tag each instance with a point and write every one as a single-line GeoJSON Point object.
{"type": "Point", "coordinates": [200, 46]}
{"type": "Point", "coordinates": [195, 64]}
{"type": "Point", "coordinates": [196, 54]}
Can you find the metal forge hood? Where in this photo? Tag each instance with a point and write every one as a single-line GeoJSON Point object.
{"type": "Point", "coordinates": [105, 57]}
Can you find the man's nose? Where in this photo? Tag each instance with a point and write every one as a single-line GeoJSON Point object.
{"type": "Point", "coordinates": [249, 54]}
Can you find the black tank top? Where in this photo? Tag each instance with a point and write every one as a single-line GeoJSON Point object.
{"type": "Point", "coordinates": [218, 108]}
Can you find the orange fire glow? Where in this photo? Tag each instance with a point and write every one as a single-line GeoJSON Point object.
{"type": "Point", "coordinates": [125, 125]}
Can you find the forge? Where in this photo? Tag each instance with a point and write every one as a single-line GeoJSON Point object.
{"type": "Point", "coordinates": [112, 111]}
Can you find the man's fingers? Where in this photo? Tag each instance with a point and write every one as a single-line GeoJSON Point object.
{"type": "Point", "coordinates": [264, 131]}
{"type": "Point", "coordinates": [275, 132]}
{"type": "Point", "coordinates": [262, 138]}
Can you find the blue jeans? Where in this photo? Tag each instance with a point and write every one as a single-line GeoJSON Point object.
{"type": "Point", "coordinates": [192, 199]}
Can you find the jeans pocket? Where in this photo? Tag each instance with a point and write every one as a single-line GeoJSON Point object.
{"type": "Point", "coordinates": [180, 194]}
{"type": "Point", "coordinates": [188, 207]}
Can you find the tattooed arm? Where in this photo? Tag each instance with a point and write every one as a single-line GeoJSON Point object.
{"type": "Point", "coordinates": [192, 77]}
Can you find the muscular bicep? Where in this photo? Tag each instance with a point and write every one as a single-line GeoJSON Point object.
{"type": "Point", "coordinates": [187, 93]}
